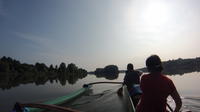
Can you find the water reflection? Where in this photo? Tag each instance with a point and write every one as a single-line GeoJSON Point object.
{"type": "Point", "coordinates": [13, 73]}
{"type": "Point", "coordinates": [9, 80]}
{"type": "Point", "coordinates": [187, 84]}
{"type": "Point", "coordinates": [108, 76]}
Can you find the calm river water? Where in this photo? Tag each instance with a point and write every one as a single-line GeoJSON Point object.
{"type": "Point", "coordinates": [186, 84]}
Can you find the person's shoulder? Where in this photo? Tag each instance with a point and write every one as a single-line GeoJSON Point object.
{"type": "Point", "coordinates": [166, 78]}
{"type": "Point", "coordinates": [144, 76]}
{"type": "Point", "coordinates": [169, 82]}
{"type": "Point", "coordinates": [138, 72]}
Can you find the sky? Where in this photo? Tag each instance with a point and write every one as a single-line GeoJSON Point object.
{"type": "Point", "coordinates": [96, 33]}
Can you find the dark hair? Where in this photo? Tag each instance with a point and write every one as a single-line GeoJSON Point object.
{"type": "Point", "coordinates": [154, 64]}
{"type": "Point", "coordinates": [130, 66]}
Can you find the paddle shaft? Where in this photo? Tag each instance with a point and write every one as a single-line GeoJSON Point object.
{"type": "Point", "coordinates": [105, 82]}
{"type": "Point", "coordinates": [170, 108]}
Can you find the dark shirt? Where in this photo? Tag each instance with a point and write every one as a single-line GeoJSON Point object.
{"type": "Point", "coordinates": [131, 78]}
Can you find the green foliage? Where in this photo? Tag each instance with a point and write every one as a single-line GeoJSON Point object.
{"type": "Point", "coordinates": [111, 69]}
{"type": "Point", "coordinates": [13, 73]}
{"type": "Point", "coordinates": [109, 72]}
{"type": "Point", "coordinates": [51, 69]}
{"type": "Point", "coordinates": [4, 67]}
{"type": "Point", "coordinates": [72, 68]}
{"type": "Point", "coordinates": [41, 67]}
{"type": "Point", "coordinates": [62, 68]}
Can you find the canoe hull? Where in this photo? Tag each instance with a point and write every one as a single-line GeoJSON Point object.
{"type": "Point", "coordinates": [128, 100]}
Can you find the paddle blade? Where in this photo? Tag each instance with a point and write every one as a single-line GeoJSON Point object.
{"type": "Point", "coordinates": [120, 91]}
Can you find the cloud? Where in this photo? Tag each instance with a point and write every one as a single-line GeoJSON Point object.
{"type": "Point", "coordinates": [50, 50]}
{"type": "Point", "coordinates": [33, 38]}
{"type": "Point", "coordinates": [46, 44]}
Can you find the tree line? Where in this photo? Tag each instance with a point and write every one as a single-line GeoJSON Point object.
{"type": "Point", "coordinates": [180, 66]}
{"type": "Point", "coordinates": [14, 73]}
{"type": "Point", "coordinates": [171, 67]}
{"type": "Point", "coordinates": [109, 72]}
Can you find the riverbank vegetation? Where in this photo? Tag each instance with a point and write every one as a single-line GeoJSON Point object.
{"type": "Point", "coordinates": [13, 73]}
{"type": "Point", "coordinates": [109, 72]}
{"type": "Point", "coordinates": [171, 67]}
{"type": "Point", "coordinates": [180, 66]}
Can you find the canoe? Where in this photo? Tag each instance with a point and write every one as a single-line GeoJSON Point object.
{"type": "Point", "coordinates": [127, 98]}
{"type": "Point", "coordinates": [52, 104]}
{"type": "Point", "coordinates": [105, 100]}
{"type": "Point", "coordinates": [131, 107]}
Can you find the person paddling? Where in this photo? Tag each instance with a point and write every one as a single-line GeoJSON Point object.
{"type": "Point", "coordinates": [156, 87]}
{"type": "Point", "coordinates": [132, 81]}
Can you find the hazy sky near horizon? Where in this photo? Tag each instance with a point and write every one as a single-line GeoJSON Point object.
{"type": "Point", "coordinates": [95, 33]}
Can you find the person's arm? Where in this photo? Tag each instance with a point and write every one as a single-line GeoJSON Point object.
{"type": "Point", "coordinates": [120, 90]}
{"type": "Point", "coordinates": [177, 100]}
{"type": "Point", "coordinates": [125, 79]}
{"type": "Point", "coordinates": [140, 73]}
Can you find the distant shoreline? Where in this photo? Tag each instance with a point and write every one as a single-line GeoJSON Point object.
{"type": "Point", "coordinates": [173, 67]}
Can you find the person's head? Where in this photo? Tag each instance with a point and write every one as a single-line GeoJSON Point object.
{"type": "Point", "coordinates": [154, 64]}
{"type": "Point", "coordinates": [130, 66]}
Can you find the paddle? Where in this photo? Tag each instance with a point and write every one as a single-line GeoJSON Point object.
{"type": "Point", "coordinates": [120, 91]}
{"type": "Point", "coordinates": [170, 108]}
{"type": "Point", "coordinates": [104, 82]}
